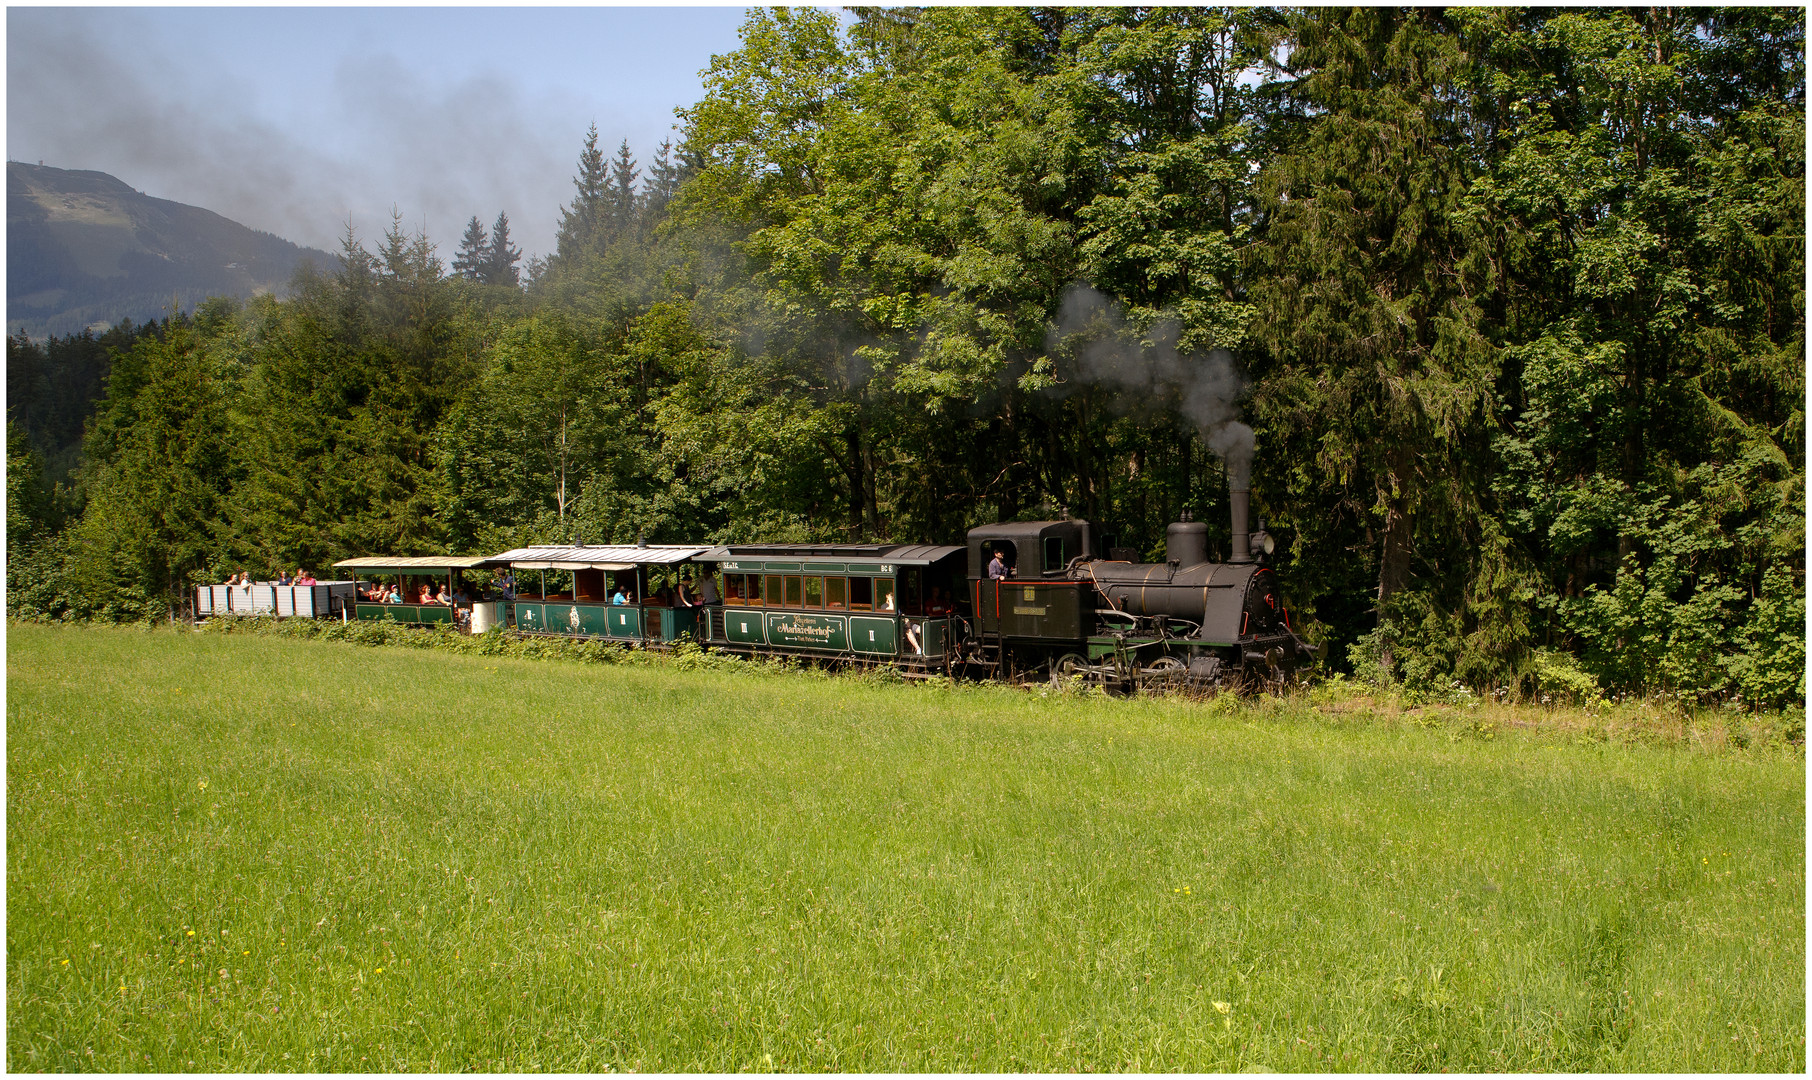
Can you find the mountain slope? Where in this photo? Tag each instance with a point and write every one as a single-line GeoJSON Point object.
{"type": "Point", "coordinates": [84, 249]}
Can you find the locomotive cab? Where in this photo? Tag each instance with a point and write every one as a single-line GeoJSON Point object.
{"type": "Point", "coordinates": [1031, 549]}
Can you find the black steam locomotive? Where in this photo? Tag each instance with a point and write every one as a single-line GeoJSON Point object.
{"type": "Point", "coordinates": [1062, 610]}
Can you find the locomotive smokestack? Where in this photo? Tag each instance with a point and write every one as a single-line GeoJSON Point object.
{"type": "Point", "coordinates": [1235, 443]}
{"type": "Point", "coordinates": [1241, 500]}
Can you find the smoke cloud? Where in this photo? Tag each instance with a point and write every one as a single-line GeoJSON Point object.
{"type": "Point", "coordinates": [366, 131]}
{"type": "Point", "coordinates": [1203, 390]}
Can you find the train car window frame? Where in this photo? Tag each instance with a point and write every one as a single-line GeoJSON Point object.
{"type": "Point", "coordinates": [771, 591]}
{"type": "Point", "coordinates": [861, 594]}
{"type": "Point", "coordinates": [836, 593]}
{"type": "Point", "coordinates": [814, 592]}
{"type": "Point", "coordinates": [733, 586]}
{"type": "Point", "coordinates": [1056, 561]}
{"type": "Point", "coordinates": [884, 589]}
{"type": "Point", "coordinates": [910, 600]}
{"type": "Point", "coordinates": [795, 591]}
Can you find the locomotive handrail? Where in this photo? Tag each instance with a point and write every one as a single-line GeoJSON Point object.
{"type": "Point", "coordinates": [1105, 595]}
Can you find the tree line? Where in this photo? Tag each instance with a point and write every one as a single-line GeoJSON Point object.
{"type": "Point", "coordinates": [1516, 298]}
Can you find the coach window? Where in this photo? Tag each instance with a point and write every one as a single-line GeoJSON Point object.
{"type": "Point", "coordinates": [911, 592]}
{"type": "Point", "coordinates": [885, 600]}
{"type": "Point", "coordinates": [1053, 553]}
{"type": "Point", "coordinates": [814, 592]}
{"type": "Point", "coordinates": [773, 591]}
{"type": "Point", "coordinates": [835, 590]}
{"type": "Point", "coordinates": [751, 593]}
{"type": "Point", "coordinates": [861, 594]}
{"type": "Point", "coordinates": [792, 590]}
{"type": "Point", "coordinates": [732, 588]}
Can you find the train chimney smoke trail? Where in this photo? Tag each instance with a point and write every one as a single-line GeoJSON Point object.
{"type": "Point", "coordinates": [1204, 389]}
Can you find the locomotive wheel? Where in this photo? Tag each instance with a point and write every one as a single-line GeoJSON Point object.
{"type": "Point", "coordinates": [1068, 666]}
{"type": "Point", "coordinates": [1164, 665]}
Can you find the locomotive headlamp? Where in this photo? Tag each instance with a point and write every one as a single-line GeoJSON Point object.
{"type": "Point", "coordinates": [1261, 541]}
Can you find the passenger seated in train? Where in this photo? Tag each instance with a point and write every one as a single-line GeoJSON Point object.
{"type": "Point", "coordinates": [442, 597]}
{"type": "Point", "coordinates": [938, 603]}
{"type": "Point", "coordinates": [303, 577]}
{"type": "Point", "coordinates": [283, 578]}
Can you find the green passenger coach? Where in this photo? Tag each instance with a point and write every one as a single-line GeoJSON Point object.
{"type": "Point", "coordinates": [883, 602]}
{"type": "Point", "coordinates": [389, 587]}
{"type": "Point", "coordinates": [643, 594]}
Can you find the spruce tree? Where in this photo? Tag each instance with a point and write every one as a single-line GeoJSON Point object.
{"type": "Point", "coordinates": [663, 179]}
{"type": "Point", "coordinates": [579, 225]}
{"type": "Point", "coordinates": [620, 197]}
{"type": "Point", "coordinates": [501, 256]}
{"type": "Point", "coordinates": [474, 250]}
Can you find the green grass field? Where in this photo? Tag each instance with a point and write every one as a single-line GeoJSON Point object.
{"type": "Point", "coordinates": [259, 853]}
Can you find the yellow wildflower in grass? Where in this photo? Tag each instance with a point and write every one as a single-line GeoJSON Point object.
{"type": "Point", "coordinates": [202, 785]}
{"type": "Point", "coordinates": [65, 963]}
{"type": "Point", "coordinates": [1223, 1007]}
{"type": "Point", "coordinates": [191, 933]}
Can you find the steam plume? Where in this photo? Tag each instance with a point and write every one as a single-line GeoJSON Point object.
{"type": "Point", "coordinates": [1203, 389]}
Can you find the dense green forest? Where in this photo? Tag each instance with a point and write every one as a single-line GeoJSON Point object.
{"type": "Point", "coordinates": [1512, 301]}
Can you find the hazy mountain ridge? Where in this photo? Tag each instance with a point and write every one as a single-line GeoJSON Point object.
{"type": "Point", "coordinates": [86, 249]}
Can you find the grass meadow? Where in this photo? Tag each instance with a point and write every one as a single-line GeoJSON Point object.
{"type": "Point", "coordinates": [253, 853]}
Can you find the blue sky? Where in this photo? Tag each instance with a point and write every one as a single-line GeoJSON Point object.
{"type": "Point", "coordinates": [294, 119]}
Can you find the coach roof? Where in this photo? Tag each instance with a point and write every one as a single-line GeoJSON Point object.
{"type": "Point", "coordinates": [905, 554]}
{"type": "Point", "coordinates": [594, 556]}
{"type": "Point", "coordinates": [410, 564]}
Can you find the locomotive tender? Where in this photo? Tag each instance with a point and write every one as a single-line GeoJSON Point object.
{"type": "Point", "coordinates": [1060, 611]}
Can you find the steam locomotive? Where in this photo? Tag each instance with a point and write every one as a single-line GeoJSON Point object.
{"type": "Point", "coordinates": [1067, 612]}
{"type": "Point", "coordinates": [1018, 601]}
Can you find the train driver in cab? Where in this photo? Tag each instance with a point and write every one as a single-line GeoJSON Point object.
{"type": "Point", "coordinates": [998, 569]}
